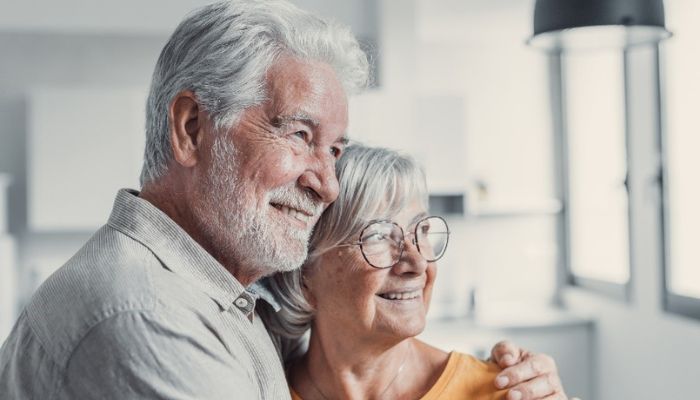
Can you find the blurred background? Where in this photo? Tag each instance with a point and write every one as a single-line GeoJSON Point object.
{"type": "Point", "coordinates": [569, 176]}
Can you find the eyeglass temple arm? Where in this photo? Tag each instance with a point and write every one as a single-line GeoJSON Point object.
{"type": "Point", "coordinates": [349, 244]}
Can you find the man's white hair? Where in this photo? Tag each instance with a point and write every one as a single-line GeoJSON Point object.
{"type": "Point", "coordinates": [222, 52]}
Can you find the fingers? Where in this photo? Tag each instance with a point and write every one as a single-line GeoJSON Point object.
{"type": "Point", "coordinates": [558, 397]}
{"type": "Point", "coordinates": [543, 387]}
{"type": "Point", "coordinates": [531, 366]}
{"type": "Point", "coordinates": [505, 354]}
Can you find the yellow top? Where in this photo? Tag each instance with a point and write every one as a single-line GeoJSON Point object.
{"type": "Point", "coordinates": [464, 378]}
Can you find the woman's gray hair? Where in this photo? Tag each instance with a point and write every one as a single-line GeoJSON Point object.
{"type": "Point", "coordinates": [222, 52]}
{"type": "Point", "coordinates": [375, 183]}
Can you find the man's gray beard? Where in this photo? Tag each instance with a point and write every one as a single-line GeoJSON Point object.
{"type": "Point", "coordinates": [246, 235]}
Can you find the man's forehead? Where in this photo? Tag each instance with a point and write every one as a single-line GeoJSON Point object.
{"type": "Point", "coordinates": [302, 81]}
{"type": "Point", "coordinates": [310, 93]}
{"type": "Point", "coordinates": [298, 116]}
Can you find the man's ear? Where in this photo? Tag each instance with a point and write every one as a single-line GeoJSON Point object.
{"type": "Point", "coordinates": [186, 128]}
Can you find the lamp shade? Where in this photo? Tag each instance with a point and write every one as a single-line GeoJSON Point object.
{"type": "Point", "coordinates": [570, 24]}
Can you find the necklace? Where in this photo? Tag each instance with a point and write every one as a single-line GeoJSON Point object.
{"type": "Point", "coordinates": [381, 395]}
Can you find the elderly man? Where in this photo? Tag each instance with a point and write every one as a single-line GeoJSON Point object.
{"type": "Point", "coordinates": [245, 119]}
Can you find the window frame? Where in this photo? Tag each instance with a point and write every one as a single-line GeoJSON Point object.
{"type": "Point", "coordinates": [672, 303]}
{"type": "Point", "coordinates": [613, 290]}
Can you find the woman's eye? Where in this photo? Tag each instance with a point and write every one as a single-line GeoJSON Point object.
{"type": "Point", "coordinates": [374, 237]}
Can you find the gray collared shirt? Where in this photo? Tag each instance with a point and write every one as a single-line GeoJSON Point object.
{"type": "Point", "coordinates": [141, 311]}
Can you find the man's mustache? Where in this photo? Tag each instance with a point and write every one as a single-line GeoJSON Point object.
{"type": "Point", "coordinates": [293, 197]}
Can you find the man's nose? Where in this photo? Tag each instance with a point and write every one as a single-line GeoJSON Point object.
{"type": "Point", "coordinates": [320, 178]}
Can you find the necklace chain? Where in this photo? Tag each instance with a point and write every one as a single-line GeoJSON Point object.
{"type": "Point", "coordinates": [381, 395]}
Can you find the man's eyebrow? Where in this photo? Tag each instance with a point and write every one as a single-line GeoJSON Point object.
{"type": "Point", "coordinates": [343, 140]}
{"type": "Point", "coordinates": [282, 120]}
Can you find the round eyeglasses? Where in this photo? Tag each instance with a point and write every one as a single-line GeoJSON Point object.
{"type": "Point", "coordinates": [382, 241]}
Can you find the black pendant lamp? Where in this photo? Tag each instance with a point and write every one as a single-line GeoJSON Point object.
{"type": "Point", "coordinates": [586, 24]}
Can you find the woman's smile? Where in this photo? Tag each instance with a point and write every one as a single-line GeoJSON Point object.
{"type": "Point", "coordinates": [402, 295]}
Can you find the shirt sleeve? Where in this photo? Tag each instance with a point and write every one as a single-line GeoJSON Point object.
{"type": "Point", "coordinates": [135, 354]}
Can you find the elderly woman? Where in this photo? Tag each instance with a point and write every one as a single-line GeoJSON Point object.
{"type": "Point", "coordinates": [365, 291]}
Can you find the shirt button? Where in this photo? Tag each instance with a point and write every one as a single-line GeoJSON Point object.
{"type": "Point", "coordinates": [241, 302]}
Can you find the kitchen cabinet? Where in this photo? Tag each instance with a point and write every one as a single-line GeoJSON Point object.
{"type": "Point", "coordinates": [8, 285]}
{"type": "Point", "coordinates": [8, 281]}
{"type": "Point", "coordinates": [5, 181]}
{"type": "Point", "coordinates": [84, 145]}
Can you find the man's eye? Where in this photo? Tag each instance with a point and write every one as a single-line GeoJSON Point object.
{"type": "Point", "coordinates": [336, 152]}
{"type": "Point", "coordinates": [303, 135]}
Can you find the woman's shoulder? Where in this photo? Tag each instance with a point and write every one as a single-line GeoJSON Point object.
{"type": "Point", "coordinates": [466, 377]}
{"type": "Point", "coordinates": [474, 365]}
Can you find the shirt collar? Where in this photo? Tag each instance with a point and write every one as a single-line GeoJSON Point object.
{"type": "Point", "coordinates": [261, 289]}
{"type": "Point", "coordinates": [178, 252]}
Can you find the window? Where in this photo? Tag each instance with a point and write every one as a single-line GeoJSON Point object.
{"type": "Point", "coordinates": [682, 143]}
{"type": "Point", "coordinates": [597, 228]}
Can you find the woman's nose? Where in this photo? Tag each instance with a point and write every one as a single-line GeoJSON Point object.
{"type": "Point", "coordinates": [412, 261]}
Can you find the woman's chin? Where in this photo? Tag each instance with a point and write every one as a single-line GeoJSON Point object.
{"type": "Point", "coordinates": [404, 328]}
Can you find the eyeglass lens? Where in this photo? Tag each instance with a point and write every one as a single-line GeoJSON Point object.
{"type": "Point", "coordinates": [382, 242]}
